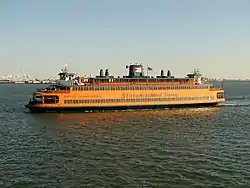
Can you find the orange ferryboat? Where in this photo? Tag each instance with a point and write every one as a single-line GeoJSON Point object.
{"type": "Point", "coordinates": [134, 91]}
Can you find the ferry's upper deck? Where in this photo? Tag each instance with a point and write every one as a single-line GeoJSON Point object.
{"type": "Point", "coordinates": [136, 75]}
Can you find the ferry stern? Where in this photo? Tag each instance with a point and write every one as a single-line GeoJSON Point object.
{"type": "Point", "coordinates": [33, 106]}
{"type": "Point", "coordinates": [47, 99]}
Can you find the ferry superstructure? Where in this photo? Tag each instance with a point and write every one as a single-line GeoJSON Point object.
{"type": "Point", "coordinates": [134, 91]}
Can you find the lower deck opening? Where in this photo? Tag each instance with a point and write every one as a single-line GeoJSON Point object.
{"type": "Point", "coordinates": [220, 95]}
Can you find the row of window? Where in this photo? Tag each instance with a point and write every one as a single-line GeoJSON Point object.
{"type": "Point", "coordinates": [139, 87]}
{"type": "Point", "coordinates": [138, 80]}
{"type": "Point", "coordinates": [136, 100]}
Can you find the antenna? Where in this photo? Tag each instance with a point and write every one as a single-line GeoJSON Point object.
{"type": "Point", "coordinates": [23, 74]}
{"type": "Point", "coordinates": [70, 61]}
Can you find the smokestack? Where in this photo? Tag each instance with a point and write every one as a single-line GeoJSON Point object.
{"type": "Point", "coordinates": [106, 72]}
{"type": "Point", "coordinates": [101, 73]}
{"type": "Point", "coordinates": [162, 73]}
{"type": "Point", "coordinates": [169, 73]}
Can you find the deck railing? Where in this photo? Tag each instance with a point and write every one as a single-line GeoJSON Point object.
{"type": "Point", "coordinates": [56, 91]}
{"type": "Point", "coordinates": [52, 91]}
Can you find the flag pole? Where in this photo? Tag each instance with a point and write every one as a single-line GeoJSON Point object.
{"type": "Point", "coordinates": [147, 72]}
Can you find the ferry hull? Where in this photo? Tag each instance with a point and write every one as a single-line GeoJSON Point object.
{"type": "Point", "coordinates": [40, 109]}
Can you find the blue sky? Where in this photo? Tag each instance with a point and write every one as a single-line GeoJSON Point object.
{"type": "Point", "coordinates": [43, 35]}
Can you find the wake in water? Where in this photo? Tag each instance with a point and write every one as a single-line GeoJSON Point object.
{"type": "Point", "coordinates": [238, 98]}
{"type": "Point", "coordinates": [234, 104]}
{"type": "Point", "coordinates": [236, 101]}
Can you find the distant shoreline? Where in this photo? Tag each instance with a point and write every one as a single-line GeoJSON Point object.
{"type": "Point", "coordinates": [229, 81]}
{"type": "Point", "coordinates": [1, 83]}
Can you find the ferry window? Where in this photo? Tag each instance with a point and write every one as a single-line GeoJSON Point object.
{"type": "Point", "coordinates": [51, 99]}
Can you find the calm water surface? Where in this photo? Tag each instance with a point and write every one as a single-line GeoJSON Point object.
{"type": "Point", "coordinates": [206, 147]}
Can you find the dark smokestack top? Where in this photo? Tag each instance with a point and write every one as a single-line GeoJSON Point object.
{"type": "Point", "coordinates": [169, 73]}
{"type": "Point", "coordinates": [106, 72]}
{"type": "Point", "coordinates": [162, 72]}
{"type": "Point", "coordinates": [101, 73]}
